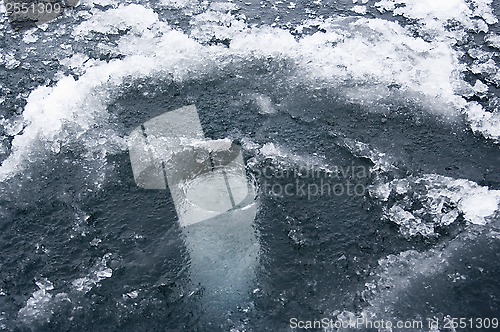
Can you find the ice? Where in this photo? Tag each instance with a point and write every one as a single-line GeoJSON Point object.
{"type": "Point", "coordinates": [480, 87]}
{"type": "Point", "coordinates": [12, 126]}
{"type": "Point", "coordinates": [131, 295]}
{"type": "Point", "coordinates": [479, 206]}
{"type": "Point", "coordinates": [359, 9]}
{"type": "Point", "coordinates": [347, 319]}
{"type": "Point", "coordinates": [224, 6]}
{"type": "Point", "coordinates": [264, 103]}
{"type": "Point", "coordinates": [44, 284]}
{"type": "Point", "coordinates": [270, 149]}
{"type": "Point", "coordinates": [134, 17]}
{"type": "Point", "coordinates": [397, 273]}
{"type": "Point", "coordinates": [105, 273]}
{"type": "Point", "coordinates": [484, 122]}
{"type": "Point", "coordinates": [30, 37]}
{"type": "Point", "coordinates": [216, 23]}
{"type": "Point", "coordinates": [409, 224]}
{"type": "Point", "coordinates": [98, 2]}
{"type": "Point", "coordinates": [441, 201]}
{"type": "Point", "coordinates": [10, 61]}
{"type": "Point", "coordinates": [360, 58]}
{"type": "Point", "coordinates": [172, 45]}
{"type": "Point", "coordinates": [405, 277]}
{"type": "Point", "coordinates": [284, 156]}
{"type": "Point", "coordinates": [487, 68]}
{"type": "Point", "coordinates": [208, 185]}
{"type": "Point", "coordinates": [75, 61]}
{"type": "Point", "coordinates": [41, 304]}
{"type": "Point", "coordinates": [435, 18]}
{"type": "Point", "coordinates": [99, 272]}
{"type": "Point", "coordinates": [493, 41]}
{"type": "Point", "coordinates": [494, 235]}
{"type": "Point", "coordinates": [456, 277]}
{"type": "Point", "coordinates": [427, 9]}
{"type": "Point", "coordinates": [381, 191]}
{"type": "Point", "coordinates": [435, 15]}
{"type": "Point", "coordinates": [82, 284]}
{"type": "Point", "coordinates": [422, 69]}
{"type": "Point", "coordinates": [483, 9]}
{"type": "Point", "coordinates": [382, 161]}
{"type": "Point", "coordinates": [34, 308]}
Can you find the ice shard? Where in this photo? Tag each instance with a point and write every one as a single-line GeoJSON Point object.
{"type": "Point", "coordinates": [213, 198]}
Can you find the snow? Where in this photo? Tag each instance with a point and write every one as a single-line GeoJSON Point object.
{"type": "Point", "coordinates": [134, 17]}
{"type": "Point", "coordinates": [484, 122]}
{"type": "Point", "coordinates": [435, 15]}
{"type": "Point", "coordinates": [493, 41]}
{"type": "Point", "coordinates": [427, 9]}
{"type": "Point", "coordinates": [480, 87]}
{"type": "Point", "coordinates": [358, 57]}
{"type": "Point", "coordinates": [271, 150]}
{"type": "Point", "coordinates": [30, 37]}
{"type": "Point", "coordinates": [177, 4]}
{"type": "Point", "coordinates": [479, 206]}
{"type": "Point", "coordinates": [359, 9]}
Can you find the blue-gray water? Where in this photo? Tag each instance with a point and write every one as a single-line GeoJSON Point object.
{"type": "Point", "coordinates": [69, 215]}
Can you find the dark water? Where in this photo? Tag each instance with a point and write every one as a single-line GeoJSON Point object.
{"type": "Point", "coordinates": [316, 255]}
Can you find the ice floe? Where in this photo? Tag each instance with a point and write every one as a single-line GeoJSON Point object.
{"type": "Point", "coordinates": [40, 306]}
{"type": "Point", "coordinates": [100, 272]}
{"type": "Point", "coordinates": [420, 205]}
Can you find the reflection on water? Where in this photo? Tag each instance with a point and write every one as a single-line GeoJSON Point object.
{"type": "Point", "coordinates": [213, 199]}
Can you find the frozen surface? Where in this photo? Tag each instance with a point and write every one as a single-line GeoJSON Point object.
{"type": "Point", "coordinates": [299, 84]}
{"type": "Point", "coordinates": [40, 306]}
{"type": "Point", "coordinates": [421, 205]}
{"type": "Point", "coordinates": [363, 58]}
